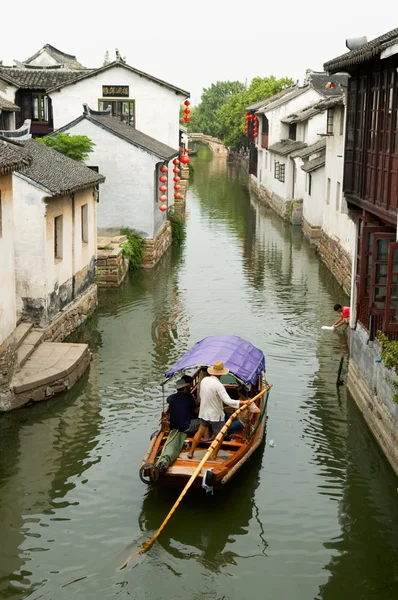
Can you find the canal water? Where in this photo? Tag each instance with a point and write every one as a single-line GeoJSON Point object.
{"type": "Point", "coordinates": [313, 516]}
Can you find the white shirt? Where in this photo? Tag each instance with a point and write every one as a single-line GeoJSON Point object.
{"type": "Point", "coordinates": [212, 396]}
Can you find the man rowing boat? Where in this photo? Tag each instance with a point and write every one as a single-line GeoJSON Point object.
{"type": "Point", "coordinates": [213, 396]}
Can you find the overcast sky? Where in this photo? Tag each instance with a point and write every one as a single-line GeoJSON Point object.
{"type": "Point", "coordinates": [194, 43]}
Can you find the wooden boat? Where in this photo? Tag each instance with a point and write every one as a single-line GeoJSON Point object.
{"type": "Point", "coordinates": [192, 153]}
{"type": "Point", "coordinates": [246, 378]}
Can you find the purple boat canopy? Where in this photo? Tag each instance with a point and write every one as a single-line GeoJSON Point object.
{"type": "Point", "coordinates": [242, 358]}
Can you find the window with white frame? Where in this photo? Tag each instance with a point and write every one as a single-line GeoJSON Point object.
{"type": "Point", "coordinates": [342, 115]}
{"type": "Point", "coordinates": [338, 195]}
{"type": "Point", "coordinates": [328, 191]}
{"type": "Point", "coordinates": [84, 223]}
{"type": "Point", "coordinates": [58, 237]}
{"type": "Point", "coordinates": [282, 173]}
{"type": "Point", "coordinates": [329, 122]}
{"type": "Point", "coordinates": [276, 170]}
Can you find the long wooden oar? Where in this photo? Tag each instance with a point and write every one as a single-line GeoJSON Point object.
{"type": "Point", "coordinates": [212, 446]}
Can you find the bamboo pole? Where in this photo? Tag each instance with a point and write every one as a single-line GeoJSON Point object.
{"type": "Point", "coordinates": [145, 547]}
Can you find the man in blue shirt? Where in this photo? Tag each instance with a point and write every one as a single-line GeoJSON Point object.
{"type": "Point", "coordinates": [182, 408]}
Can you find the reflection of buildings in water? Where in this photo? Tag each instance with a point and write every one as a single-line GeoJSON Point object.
{"type": "Point", "coordinates": [365, 556]}
{"type": "Point", "coordinates": [352, 471]}
{"type": "Point", "coordinates": [207, 524]}
{"type": "Point", "coordinates": [43, 447]}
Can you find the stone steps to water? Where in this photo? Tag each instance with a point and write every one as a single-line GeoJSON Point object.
{"type": "Point", "coordinates": [29, 345]}
{"type": "Point", "coordinates": [21, 332]}
{"type": "Point", "coordinates": [52, 368]}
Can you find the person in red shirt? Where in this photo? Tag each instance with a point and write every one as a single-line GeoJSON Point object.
{"type": "Point", "coordinates": [344, 312]}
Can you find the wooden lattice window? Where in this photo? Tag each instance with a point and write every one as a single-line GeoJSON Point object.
{"type": "Point", "coordinates": [282, 173]}
{"type": "Point", "coordinates": [379, 270]}
{"type": "Point", "coordinates": [391, 305]}
{"type": "Point", "coordinates": [276, 170]}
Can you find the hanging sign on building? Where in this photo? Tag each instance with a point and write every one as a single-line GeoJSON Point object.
{"type": "Point", "coordinates": [115, 91]}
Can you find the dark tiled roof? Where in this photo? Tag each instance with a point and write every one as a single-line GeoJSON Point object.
{"type": "Point", "coordinates": [127, 133]}
{"type": "Point", "coordinates": [314, 80]}
{"type": "Point", "coordinates": [312, 110]}
{"type": "Point", "coordinates": [122, 64]}
{"type": "Point", "coordinates": [39, 78]}
{"type": "Point", "coordinates": [319, 146]}
{"type": "Point", "coordinates": [57, 172]}
{"type": "Point", "coordinates": [13, 157]}
{"type": "Point", "coordinates": [318, 82]}
{"type": "Point", "coordinates": [277, 100]}
{"type": "Point", "coordinates": [68, 60]}
{"type": "Point", "coordinates": [316, 163]}
{"type": "Point", "coordinates": [364, 53]}
{"type": "Point", "coordinates": [265, 101]}
{"type": "Point", "coordinates": [286, 147]}
{"type": "Point", "coordinates": [7, 105]}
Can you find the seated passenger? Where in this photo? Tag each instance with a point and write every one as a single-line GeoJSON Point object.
{"type": "Point", "coordinates": [182, 408]}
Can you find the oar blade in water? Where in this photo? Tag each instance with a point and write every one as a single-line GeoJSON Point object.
{"type": "Point", "coordinates": [135, 552]}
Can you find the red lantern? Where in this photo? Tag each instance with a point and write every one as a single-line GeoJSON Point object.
{"type": "Point", "coordinates": [162, 207]}
{"type": "Point", "coordinates": [163, 169]}
{"type": "Point", "coordinates": [187, 119]}
{"type": "Point", "coordinates": [163, 189]}
{"type": "Point", "coordinates": [177, 187]}
{"type": "Point", "coordinates": [176, 179]}
{"type": "Point", "coordinates": [187, 103]}
{"type": "Point", "coordinates": [187, 111]}
{"type": "Point", "coordinates": [176, 170]}
{"type": "Point", "coordinates": [255, 135]}
{"type": "Point", "coordinates": [176, 161]}
{"type": "Point", "coordinates": [185, 159]}
{"type": "Point", "coordinates": [187, 150]}
{"type": "Point", "coordinates": [177, 196]}
{"type": "Point", "coordinates": [163, 198]}
{"type": "Point", "coordinates": [163, 178]}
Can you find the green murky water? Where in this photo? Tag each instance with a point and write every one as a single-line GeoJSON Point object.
{"type": "Point", "coordinates": [313, 517]}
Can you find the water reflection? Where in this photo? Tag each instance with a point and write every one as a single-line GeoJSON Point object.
{"type": "Point", "coordinates": [48, 457]}
{"type": "Point", "coordinates": [200, 529]}
{"type": "Point", "coordinates": [313, 516]}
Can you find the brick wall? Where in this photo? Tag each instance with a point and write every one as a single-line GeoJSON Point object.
{"type": "Point", "coordinates": [337, 260]}
{"type": "Point", "coordinates": [155, 248]}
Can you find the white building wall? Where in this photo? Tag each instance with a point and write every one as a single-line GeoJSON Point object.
{"type": "Point", "coordinates": [128, 196]}
{"type": "Point", "coordinates": [313, 205]}
{"type": "Point", "coordinates": [336, 223]}
{"type": "Point", "coordinates": [7, 91]}
{"type": "Point", "coordinates": [278, 130]}
{"type": "Point", "coordinates": [84, 251]}
{"type": "Point", "coordinates": [29, 213]}
{"type": "Point", "coordinates": [7, 264]}
{"type": "Point", "coordinates": [306, 132]}
{"type": "Point", "coordinates": [156, 107]}
{"type": "Point", "coordinates": [58, 271]}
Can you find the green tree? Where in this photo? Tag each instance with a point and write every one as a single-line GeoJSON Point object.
{"type": "Point", "coordinates": [231, 116]}
{"type": "Point", "coordinates": [204, 116]}
{"type": "Point", "coordinates": [77, 147]}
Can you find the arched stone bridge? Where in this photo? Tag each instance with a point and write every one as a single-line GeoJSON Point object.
{"type": "Point", "coordinates": [215, 145]}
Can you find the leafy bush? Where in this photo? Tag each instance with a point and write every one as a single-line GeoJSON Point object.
{"type": "Point", "coordinates": [77, 147]}
{"type": "Point", "coordinates": [177, 221]}
{"type": "Point", "coordinates": [389, 356]}
{"type": "Point", "coordinates": [133, 249]}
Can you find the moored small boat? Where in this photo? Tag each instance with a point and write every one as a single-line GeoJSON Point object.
{"type": "Point", "coordinates": [166, 459]}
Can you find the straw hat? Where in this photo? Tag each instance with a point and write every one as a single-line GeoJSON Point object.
{"type": "Point", "coordinates": [218, 369]}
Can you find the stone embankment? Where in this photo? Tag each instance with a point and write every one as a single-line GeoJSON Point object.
{"type": "Point", "coordinates": [111, 265]}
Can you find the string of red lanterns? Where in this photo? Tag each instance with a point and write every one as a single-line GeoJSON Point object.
{"type": "Point", "coordinates": [254, 121]}
{"type": "Point", "coordinates": [187, 110]}
{"type": "Point", "coordinates": [163, 188]}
